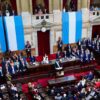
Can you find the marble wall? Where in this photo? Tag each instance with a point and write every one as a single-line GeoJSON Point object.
{"type": "Point", "coordinates": [24, 8]}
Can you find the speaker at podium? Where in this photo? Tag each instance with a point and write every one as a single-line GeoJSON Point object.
{"type": "Point", "coordinates": [59, 69]}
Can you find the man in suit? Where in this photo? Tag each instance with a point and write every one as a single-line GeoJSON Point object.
{"type": "Point", "coordinates": [68, 50]}
{"type": "Point", "coordinates": [23, 65]}
{"type": "Point", "coordinates": [90, 76]}
{"type": "Point", "coordinates": [57, 65]}
{"type": "Point", "coordinates": [1, 74]}
{"type": "Point", "coordinates": [32, 59]}
{"type": "Point", "coordinates": [12, 68]}
{"type": "Point", "coordinates": [58, 55]}
{"type": "Point", "coordinates": [28, 49]}
{"type": "Point", "coordinates": [59, 44]}
{"type": "Point", "coordinates": [3, 66]}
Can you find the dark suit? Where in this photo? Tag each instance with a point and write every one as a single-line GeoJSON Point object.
{"type": "Point", "coordinates": [68, 50]}
{"type": "Point", "coordinates": [1, 74]}
{"type": "Point", "coordinates": [60, 44]}
{"type": "Point", "coordinates": [28, 50]}
{"type": "Point", "coordinates": [12, 69]}
{"type": "Point", "coordinates": [57, 64]}
{"type": "Point", "coordinates": [58, 55]}
{"type": "Point", "coordinates": [32, 59]}
{"type": "Point", "coordinates": [23, 65]}
{"type": "Point", "coordinates": [4, 68]}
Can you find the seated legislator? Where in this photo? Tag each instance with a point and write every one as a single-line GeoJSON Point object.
{"type": "Point", "coordinates": [65, 54]}
{"type": "Point", "coordinates": [12, 68]}
{"type": "Point", "coordinates": [57, 65]}
{"type": "Point", "coordinates": [58, 55]}
{"type": "Point", "coordinates": [90, 76]}
{"type": "Point", "coordinates": [1, 73]}
{"type": "Point", "coordinates": [68, 51]}
{"type": "Point", "coordinates": [98, 48]}
{"type": "Point", "coordinates": [59, 44]}
{"type": "Point", "coordinates": [87, 55]}
{"type": "Point", "coordinates": [17, 64]}
{"type": "Point", "coordinates": [45, 59]}
{"type": "Point", "coordinates": [23, 64]}
{"type": "Point", "coordinates": [28, 49]}
{"type": "Point", "coordinates": [92, 56]}
{"type": "Point", "coordinates": [32, 60]}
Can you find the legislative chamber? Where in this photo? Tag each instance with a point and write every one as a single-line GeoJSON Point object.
{"type": "Point", "coordinates": [49, 49]}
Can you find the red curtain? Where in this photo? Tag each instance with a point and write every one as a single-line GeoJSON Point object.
{"type": "Point", "coordinates": [95, 30]}
{"type": "Point", "coordinates": [75, 2]}
{"type": "Point", "coordinates": [33, 5]}
{"type": "Point", "coordinates": [46, 3]}
{"type": "Point", "coordinates": [13, 4]}
{"type": "Point", "coordinates": [64, 3]}
{"type": "Point", "coordinates": [43, 43]}
{"type": "Point", "coordinates": [91, 2]}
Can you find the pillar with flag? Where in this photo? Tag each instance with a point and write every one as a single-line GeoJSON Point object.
{"type": "Point", "coordinates": [15, 32]}
{"type": "Point", "coordinates": [71, 27]}
{"type": "Point", "coordinates": [2, 36]}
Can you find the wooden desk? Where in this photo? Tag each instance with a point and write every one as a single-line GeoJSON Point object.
{"type": "Point", "coordinates": [96, 54]}
{"type": "Point", "coordinates": [62, 80]}
{"type": "Point", "coordinates": [43, 68]}
{"type": "Point", "coordinates": [43, 71]}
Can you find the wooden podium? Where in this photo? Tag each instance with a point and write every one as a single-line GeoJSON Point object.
{"type": "Point", "coordinates": [59, 72]}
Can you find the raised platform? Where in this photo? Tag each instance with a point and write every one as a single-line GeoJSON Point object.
{"type": "Point", "coordinates": [62, 80]}
{"type": "Point", "coordinates": [42, 71]}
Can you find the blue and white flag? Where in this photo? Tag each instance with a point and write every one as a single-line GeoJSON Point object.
{"type": "Point", "coordinates": [14, 32]}
{"type": "Point", "coordinates": [2, 37]}
{"type": "Point", "coordinates": [71, 27]}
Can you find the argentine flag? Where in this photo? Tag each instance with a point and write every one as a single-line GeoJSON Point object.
{"type": "Point", "coordinates": [71, 27]}
{"type": "Point", "coordinates": [2, 37]}
{"type": "Point", "coordinates": [14, 32]}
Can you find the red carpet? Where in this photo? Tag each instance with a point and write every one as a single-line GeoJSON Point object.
{"type": "Point", "coordinates": [98, 67]}
{"type": "Point", "coordinates": [44, 81]}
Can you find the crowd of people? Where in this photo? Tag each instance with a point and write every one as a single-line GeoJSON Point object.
{"type": "Point", "coordinates": [80, 51]}
{"type": "Point", "coordinates": [84, 89]}
{"type": "Point", "coordinates": [13, 64]}
{"type": "Point", "coordinates": [11, 91]}
{"type": "Point", "coordinates": [94, 8]}
{"type": "Point", "coordinates": [18, 63]}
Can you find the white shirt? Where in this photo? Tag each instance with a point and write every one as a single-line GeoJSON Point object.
{"type": "Point", "coordinates": [45, 60]}
{"type": "Point", "coordinates": [13, 71]}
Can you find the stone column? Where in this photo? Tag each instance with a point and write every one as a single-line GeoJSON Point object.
{"type": "Point", "coordinates": [18, 4]}
{"type": "Point", "coordinates": [56, 4]}
{"type": "Point", "coordinates": [30, 6]}
{"type": "Point", "coordinates": [61, 5]}
{"type": "Point", "coordinates": [79, 4]}
{"type": "Point", "coordinates": [35, 41]}
{"type": "Point", "coordinates": [90, 31]}
{"type": "Point", "coordinates": [84, 3]}
{"type": "Point", "coordinates": [51, 41]}
{"type": "Point", "coordinates": [50, 6]}
{"type": "Point", "coordinates": [25, 5]}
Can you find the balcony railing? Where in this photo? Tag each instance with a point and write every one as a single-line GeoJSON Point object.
{"type": "Point", "coordinates": [38, 18]}
{"type": "Point", "coordinates": [95, 13]}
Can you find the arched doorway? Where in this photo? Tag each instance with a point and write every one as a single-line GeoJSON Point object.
{"type": "Point", "coordinates": [43, 42]}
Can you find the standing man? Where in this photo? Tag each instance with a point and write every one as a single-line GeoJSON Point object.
{"type": "Point", "coordinates": [59, 44]}
{"type": "Point", "coordinates": [28, 49]}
